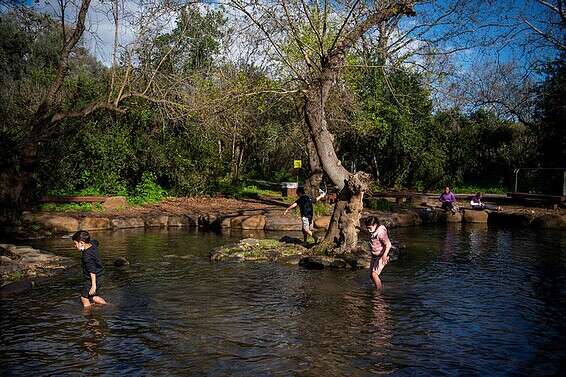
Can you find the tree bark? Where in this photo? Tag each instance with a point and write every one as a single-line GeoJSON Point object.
{"type": "Point", "coordinates": [314, 180]}
{"type": "Point", "coordinates": [342, 234]}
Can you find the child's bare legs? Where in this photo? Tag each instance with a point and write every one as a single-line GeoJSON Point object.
{"type": "Point", "coordinates": [307, 225]}
{"type": "Point", "coordinates": [376, 280]}
{"type": "Point", "coordinates": [306, 234]}
{"type": "Point", "coordinates": [86, 303]}
{"type": "Point", "coordinates": [99, 300]}
{"type": "Point", "coordinates": [95, 300]}
{"type": "Point", "coordinates": [376, 268]}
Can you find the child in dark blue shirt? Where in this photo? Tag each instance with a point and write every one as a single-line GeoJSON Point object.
{"type": "Point", "coordinates": [92, 268]}
{"type": "Point", "coordinates": [305, 207]}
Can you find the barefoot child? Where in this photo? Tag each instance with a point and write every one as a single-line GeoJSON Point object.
{"type": "Point", "coordinates": [305, 206]}
{"type": "Point", "coordinates": [92, 268]}
{"type": "Point", "coordinates": [379, 245]}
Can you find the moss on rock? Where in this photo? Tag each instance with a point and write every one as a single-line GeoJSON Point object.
{"type": "Point", "coordinates": [251, 249]}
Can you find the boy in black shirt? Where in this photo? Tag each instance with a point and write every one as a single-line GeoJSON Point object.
{"type": "Point", "coordinates": [92, 268]}
{"type": "Point", "coordinates": [305, 206]}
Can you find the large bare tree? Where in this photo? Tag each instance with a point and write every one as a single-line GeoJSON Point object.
{"type": "Point", "coordinates": [312, 40]}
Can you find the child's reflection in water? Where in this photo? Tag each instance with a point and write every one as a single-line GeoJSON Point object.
{"type": "Point", "coordinates": [94, 332]}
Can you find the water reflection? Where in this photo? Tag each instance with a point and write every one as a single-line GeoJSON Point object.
{"type": "Point", "coordinates": [93, 332]}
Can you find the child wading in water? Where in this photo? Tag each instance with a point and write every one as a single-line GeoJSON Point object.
{"type": "Point", "coordinates": [92, 268]}
{"type": "Point", "coordinates": [379, 245]}
{"type": "Point", "coordinates": [305, 206]}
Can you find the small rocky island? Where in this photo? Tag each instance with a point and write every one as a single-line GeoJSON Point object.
{"type": "Point", "coordinates": [22, 266]}
{"type": "Point", "coordinates": [288, 251]}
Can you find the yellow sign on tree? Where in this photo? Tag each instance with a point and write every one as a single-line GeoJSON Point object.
{"type": "Point", "coordinates": [298, 164]}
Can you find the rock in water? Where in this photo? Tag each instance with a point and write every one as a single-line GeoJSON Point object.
{"type": "Point", "coordinates": [293, 240]}
{"type": "Point", "coordinates": [121, 262]}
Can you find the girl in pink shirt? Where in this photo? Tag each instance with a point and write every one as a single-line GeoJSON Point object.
{"type": "Point", "coordinates": [379, 245]}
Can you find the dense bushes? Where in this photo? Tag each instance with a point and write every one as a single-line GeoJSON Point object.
{"type": "Point", "coordinates": [384, 122]}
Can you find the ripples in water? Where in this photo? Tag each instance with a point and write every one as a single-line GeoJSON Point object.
{"type": "Point", "coordinates": [459, 300]}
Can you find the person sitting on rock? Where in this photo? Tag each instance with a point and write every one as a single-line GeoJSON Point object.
{"type": "Point", "coordinates": [380, 245]}
{"type": "Point", "coordinates": [477, 204]}
{"type": "Point", "coordinates": [448, 200]}
{"type": "Point", "coordinates": [92, 269]}
{"type": "Point", "coordinates": [305, 206]}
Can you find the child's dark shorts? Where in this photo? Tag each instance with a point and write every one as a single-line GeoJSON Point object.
{"type": "Point", "coordinates": [87, 285]}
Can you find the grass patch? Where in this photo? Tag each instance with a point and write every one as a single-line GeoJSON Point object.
{"type": "Point", "coordinates": [470, 189]}
{"type": "Point", "coordinates": [322, 209]}
{"type": "Point", "coordinates": [379, 204]}
{"type": "Point", "coordinates": [72, 207]}
{"type": "Point", "coordinates": [13, 276]}
{"type": "Point", "coordinates": [269, 243]}
{"type": "Point", "coordinates": [244, 191]}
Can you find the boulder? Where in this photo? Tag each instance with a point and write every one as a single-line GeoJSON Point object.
{"type": "Point", "coordinates": [281, 222]}
{"type": "Point", "coordinates": [121, 262]}
{"type": "Point", "coordinates": [339, 263]}
{"type": "Point", "coordinates": [193, 219]}
{"type": "Point", "coordinates": [24, 262]}
{"type": "Point", "coordinates": [225, 223]}
{"type": "Point", "coordinates": [550, 221]}
{"type": "Point", "coordinates": [253, 222]}
{"type": "Point", "coordinates": [209, 220]}
{"type": "Point", "coordinates": [57, 223]}
{"type": "Point", "coordinates": [7, 250]}
{"type": "Point", "coordinates": [418, 200]}
{"type": "Point", "coordinates": [236, 222]}
{"type": "Point", "coordinates": [293, 240]}
{"type": "Point", "coordinates": [127, 222]}
{"type": "Point", "coordinates": [452, 217]}
{"type": "Point", "coordinates": [406, 219]}
{"type": "Point", "coordinates": [474, 216]}
{"type": "Point", "coordinates": [178, 221]}
{"type": "Point", "coordinates": [8, 266]}
{"type": "Point", "coordinates": [430, 215]}
{"type": "Point", "coordinates": [251, 249]}
{"type": "Point", "coordinates": [114, 203]}
{"type": "Point", "coordinates": [157, 221]}
{"type": "Point", "coordinates": [510, 218]}
{"type": "Point", "coordinates": [18, 252]}
{"type": "Point", "coordinates": [315, 263]}
{"type": "Point", "coordinates": [95, 223]}
{"type": "Point", "coordinates": [363, 262]}
{"type": "Point", "coordinates": [322, 222]}
{"type": "Point", "coordinates": [319, 262]}
{"type": "Point", "coordinates": [14, 288]}
{"type": "Point", "coordinates": [290, 259]}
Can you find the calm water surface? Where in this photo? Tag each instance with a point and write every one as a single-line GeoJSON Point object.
{"type": "Point", "coordinates": [459, 301]}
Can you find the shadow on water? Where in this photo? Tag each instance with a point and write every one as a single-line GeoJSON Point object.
{"type": "Point", "coordinates": [462, 299]}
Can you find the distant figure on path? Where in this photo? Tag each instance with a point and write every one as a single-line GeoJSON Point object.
{"type": "Point", "coordinates": [305, 206]}
{"type": "Point", "coordinates": [448, 200]}
{"type": "Point", "coordinates": [478, 204]}
{"type": "Point", "coordinates": [380, 245]}
{"type": "Point", "coordinates": [92, 269]}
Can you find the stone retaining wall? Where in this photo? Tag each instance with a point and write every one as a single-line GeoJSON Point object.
{"type": "Point", "coordinates": [271, 220]}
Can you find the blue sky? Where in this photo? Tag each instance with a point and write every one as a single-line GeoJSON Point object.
{"type": "Point", "coordinates": [488, 14]}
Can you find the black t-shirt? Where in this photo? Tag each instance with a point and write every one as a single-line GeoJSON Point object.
{"type": "Point", "coordinates": [305, 206]}
{"type": "Point", "coordinates": [90, 261]}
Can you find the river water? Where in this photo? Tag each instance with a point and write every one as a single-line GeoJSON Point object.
{"type": "Point", "coordinates": [459, 300]}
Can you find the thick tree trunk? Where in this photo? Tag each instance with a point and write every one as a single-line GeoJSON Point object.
{"type": "Point", "coordinates": [314, 180]}
{"type": "Point", "coordinates": [17, 183]}
{"type": "Point", "coordinates": [342, 234]}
